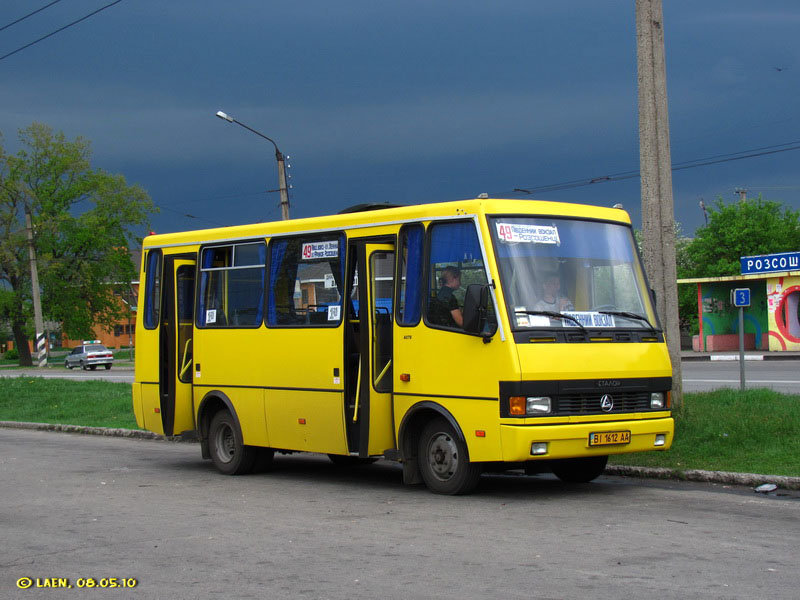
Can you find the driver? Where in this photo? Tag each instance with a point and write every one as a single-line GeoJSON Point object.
{"type": "Point", "coordinates": [551, 299]}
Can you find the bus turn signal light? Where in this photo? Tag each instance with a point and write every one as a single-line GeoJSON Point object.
{"type": "Point", "coordinates": [405, 376]}
{"type": "Point", "coordinates": [516, 405]}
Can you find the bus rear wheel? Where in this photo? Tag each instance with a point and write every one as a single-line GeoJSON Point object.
{"type": "Point", "coordinates": [228, 452]}
{"type": "Point", "coordinates": [443, 461]}
{"type": "Point", "coordinates": [579, 470]}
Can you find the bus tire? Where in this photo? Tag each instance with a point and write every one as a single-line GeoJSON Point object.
{"type": "Point", "coordinates": [579, 470]}
{"type": "Point", "coordinates": [443, 461]}
{"type": "Point", "coordinates": [228, 452]}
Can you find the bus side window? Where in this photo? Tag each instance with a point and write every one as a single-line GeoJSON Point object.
{"type": "Point", "coordinates": [409, 298]}
{"type": "Point", "coordinates": [232, 285]}
{"type": "Point", "coordinates": [305, 282]}
{"type": "Point", "coordinates": [455, 261]}
{"type": "Point", "coordinates": [152, 292]}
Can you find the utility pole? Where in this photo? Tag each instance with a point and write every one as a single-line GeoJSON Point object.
{"type": "Point", "coordinates": [41, 339]}
{"type": "Point", "coordinates": [282, 184]}
{"type": "Point", "coordinates": [742, 194]}
{"type": "Point", "coordinates": [282, 187]}
{"type": "Point", "coordinates": [658, 219]}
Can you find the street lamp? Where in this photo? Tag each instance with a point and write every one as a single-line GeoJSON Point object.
{"type": "Point", "coordinates": [278, 157]}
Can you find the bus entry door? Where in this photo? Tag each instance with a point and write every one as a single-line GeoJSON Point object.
{"type": "Point", "coordinates": [369, 340]}
{"type": "Point", "coordinates": [175, 346]}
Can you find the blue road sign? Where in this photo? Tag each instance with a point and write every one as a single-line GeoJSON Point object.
{"type": "Point", "coordinates": [768, 263]}
{"type": "Point", "coordinates": [741, 297]}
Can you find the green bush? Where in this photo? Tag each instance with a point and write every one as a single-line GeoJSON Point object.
{"type": "Point", "coordinates": [12, 354]}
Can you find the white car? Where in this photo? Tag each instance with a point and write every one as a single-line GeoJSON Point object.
{"type": "Point", "coordinates": [89, 356]}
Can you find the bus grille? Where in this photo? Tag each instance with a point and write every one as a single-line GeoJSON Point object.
{"type": "Point", "coordinates": [589, 404]}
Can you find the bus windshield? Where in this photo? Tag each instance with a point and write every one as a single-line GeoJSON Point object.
{"type": "Point", "coordinates": [561, 273]}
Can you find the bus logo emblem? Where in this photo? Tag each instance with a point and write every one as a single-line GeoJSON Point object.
{"type": "Point", "coordinates": [606, 403]}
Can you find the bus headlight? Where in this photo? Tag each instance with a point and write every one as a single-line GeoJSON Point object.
{"type": "Point", "coordinates": [520, 406]}
{"type": "Point", "coordinates": [540, 405]}
{"type": "Point", "coordinates": [657, 400]}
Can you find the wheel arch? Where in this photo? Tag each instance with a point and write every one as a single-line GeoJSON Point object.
{"type": "Point", "coordinates": [212, 403]}
{"type": "Point", "coordinates": [410, 430]}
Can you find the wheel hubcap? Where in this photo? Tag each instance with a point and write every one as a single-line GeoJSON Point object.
{"type": "Point", "coordinates": [225, 443]}
{"type": "Point", "coordinates": [443, 456]}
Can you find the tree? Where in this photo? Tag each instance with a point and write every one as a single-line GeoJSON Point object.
{"type": "Point", "coordinates": [82, 221]}
{"type": "Point", "coordinates": [749, 228]}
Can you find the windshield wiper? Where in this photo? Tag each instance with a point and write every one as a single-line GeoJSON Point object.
{"type": "Point", "coordinates": [553, 315]}
{"type": "Point", "coordinates": [629, 315]}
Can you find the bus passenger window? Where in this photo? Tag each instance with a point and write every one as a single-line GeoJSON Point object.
{"type": "Point", "coordinates": [410, 296]}
{"type": "Point", "coordinates": [306, 278]}
{"type": "Point", "coordinates": [152, 292]}
{"type": "Point", "coordinates": [455, 262]}
{"type": "Point", "coordinates": [232, 285]}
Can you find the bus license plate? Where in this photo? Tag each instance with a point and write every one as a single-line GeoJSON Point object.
{"type": "Point", "coordinates": [609, 437]}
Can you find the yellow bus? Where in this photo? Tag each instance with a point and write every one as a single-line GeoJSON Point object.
{"type": "Point", "coordinates": [455, 338]}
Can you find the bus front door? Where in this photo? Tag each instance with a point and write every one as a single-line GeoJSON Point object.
{"type": "Point", "coordinates": [368, 342]}
{"type": "Point", "coordinates": [175, 346]}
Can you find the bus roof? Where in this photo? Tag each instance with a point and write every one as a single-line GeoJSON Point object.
{"type": "Point", "coordinates": [414, 212]}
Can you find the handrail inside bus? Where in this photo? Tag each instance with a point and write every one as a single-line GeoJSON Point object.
{"type": "Point", "coordinates": [186, 363]}
{"type": "Point", "coordinates": [383, 373]}
{"type": "Point", "coordinates": [358, 391]}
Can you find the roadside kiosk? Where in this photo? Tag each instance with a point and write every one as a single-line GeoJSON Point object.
{"type": "Point", "coordinates": [771, 321]}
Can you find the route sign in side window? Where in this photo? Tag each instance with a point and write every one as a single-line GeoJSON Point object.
{"type": "Point", "coordinates": [306, 276]}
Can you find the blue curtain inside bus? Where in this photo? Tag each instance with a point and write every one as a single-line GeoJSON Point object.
{"type": "Point", "coordinates": [411, 302]}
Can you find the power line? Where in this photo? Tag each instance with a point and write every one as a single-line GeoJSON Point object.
{"type": "Point", "coordinates": [190, 216]}
{"type": "Point", "coordinates": [38, 10]}
{"type": "Point", "coordinates": [690, 164]}
{"type": "Point", "coordinates": [102, 8]}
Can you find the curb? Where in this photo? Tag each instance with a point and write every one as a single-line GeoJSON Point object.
{"type": "Point", "coordinates": [725, 477]}
{"type": "Point", "coordinates": [104, 431]}
{"type": "Point", "coordinates": [735, 357]}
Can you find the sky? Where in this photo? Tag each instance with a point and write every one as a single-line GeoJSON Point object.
{"type": "Point", "coordinates": [404, 102]}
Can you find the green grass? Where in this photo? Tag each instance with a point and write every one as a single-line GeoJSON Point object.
{"type": "Point", "coordinates": [756, 431]}
{"type": "Point", "coordinates": [89, 403]}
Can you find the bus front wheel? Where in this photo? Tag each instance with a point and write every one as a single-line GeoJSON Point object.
{"type": "Point", "coordinates": [443, 461]}
{"type": "Point", "coordinates": [228, 452]}
{"type": "Point", "coordinates": [579, 470]}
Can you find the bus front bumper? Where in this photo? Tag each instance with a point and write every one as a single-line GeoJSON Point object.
{"type": "Point", "coordinates": [544, 442]}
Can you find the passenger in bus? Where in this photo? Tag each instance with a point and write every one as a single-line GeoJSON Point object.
{"type": "Point", "coordinates": [444, 308]}
{"type": "Point", "coordinates": [551, 298]}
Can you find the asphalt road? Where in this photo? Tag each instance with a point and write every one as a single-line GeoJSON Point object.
{"type": "Point", "coordinates": [74, 506]}
{"type": "Point", "coordinates": [698, 376]}
{"type": "Point", "coordinates": [779, 375]}
{"type": "Point", "coordinates": [124, 375]}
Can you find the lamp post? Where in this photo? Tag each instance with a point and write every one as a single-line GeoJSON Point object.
{"type": "Point", "coordinates": [282, 188]}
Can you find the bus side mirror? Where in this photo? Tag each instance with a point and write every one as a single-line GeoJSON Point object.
{"type": "Point", "coordinates": [476, 303]}
{"type": "Point", "coordinates": [653, 296]}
